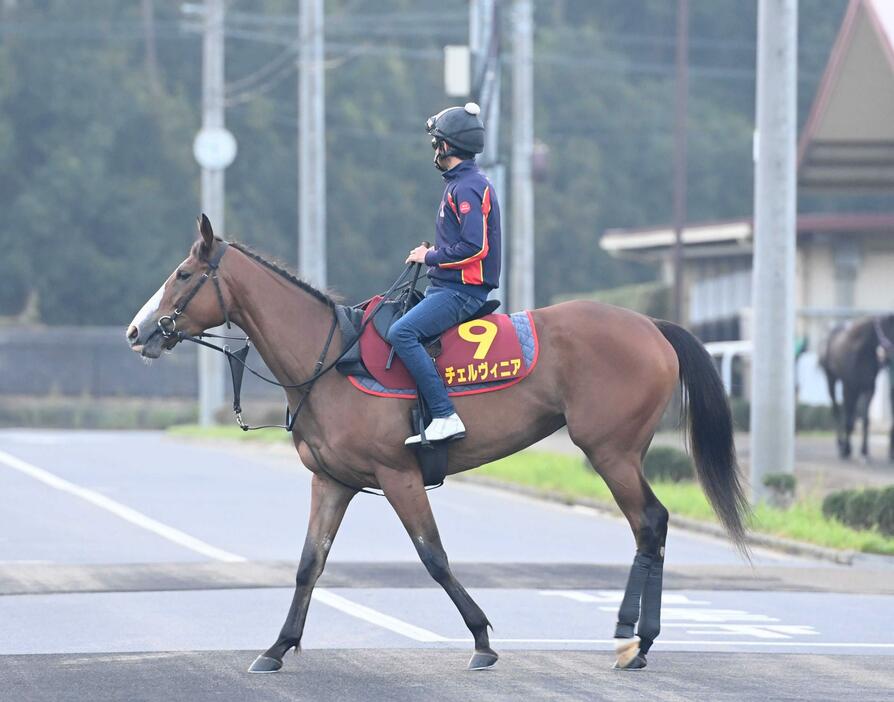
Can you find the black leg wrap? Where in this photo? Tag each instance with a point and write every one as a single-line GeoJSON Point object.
{"type": "Point", "coordinates": [650, 620]}
{"type": "Point", "coordinates": [628, 614]}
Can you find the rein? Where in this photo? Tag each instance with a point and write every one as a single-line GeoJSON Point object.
{"type": "Point", "coordinates": [167, 327]}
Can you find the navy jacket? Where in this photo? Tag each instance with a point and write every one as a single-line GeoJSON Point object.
{"type": "Point", "coordinates": [466, 255]}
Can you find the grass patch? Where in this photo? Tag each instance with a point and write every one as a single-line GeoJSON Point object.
{"type": "Point", "coordinates": [230, 432]}
{"type": "Point", "coordinates": [567, 475]}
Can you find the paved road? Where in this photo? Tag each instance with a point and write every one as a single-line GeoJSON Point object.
{"type": "Point", "coordinates": [117, 549]}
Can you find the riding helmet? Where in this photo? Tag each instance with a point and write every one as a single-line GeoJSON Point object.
{"type": "Point", "coordinates": [460, 127]}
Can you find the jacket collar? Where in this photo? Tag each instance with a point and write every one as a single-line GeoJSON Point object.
{"type": "Point", "coordinates": [460, 169]}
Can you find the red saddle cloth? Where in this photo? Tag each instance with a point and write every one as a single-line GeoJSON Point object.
{"type": "Point", "coordinates": [477, 356]}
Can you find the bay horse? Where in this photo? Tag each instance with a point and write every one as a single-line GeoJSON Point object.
{"type": "Point", "coordinates": [850, 357]}
{"type": "Point", "coordinates": [605, 372]}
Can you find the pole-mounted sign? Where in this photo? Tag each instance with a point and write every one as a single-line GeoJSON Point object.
{"type": "Point", "coordinates": [214, 148]}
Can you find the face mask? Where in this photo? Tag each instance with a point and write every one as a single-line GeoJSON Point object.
{"type": "Point", "coordinates": [435, 144]}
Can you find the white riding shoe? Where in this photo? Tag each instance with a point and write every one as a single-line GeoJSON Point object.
{"type": "Point", "coordinates": [441, 429]}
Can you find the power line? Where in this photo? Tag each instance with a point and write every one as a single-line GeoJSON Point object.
{"type": "Point", "coordinates": [286, 57]}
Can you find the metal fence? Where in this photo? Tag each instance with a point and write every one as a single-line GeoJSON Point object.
{"type": "Point", "coordinates": [96, 362]}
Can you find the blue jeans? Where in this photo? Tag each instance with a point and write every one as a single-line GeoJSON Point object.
{"type": "Point", "coordinates": [440, 309]}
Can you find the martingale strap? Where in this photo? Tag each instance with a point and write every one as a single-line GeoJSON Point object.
{"type": "Point", "coordinates": [237, 359]}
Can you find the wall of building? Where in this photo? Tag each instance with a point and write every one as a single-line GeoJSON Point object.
{"type": "Point", "coordinates": [875, 282]}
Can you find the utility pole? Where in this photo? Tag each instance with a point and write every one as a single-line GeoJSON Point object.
{"type": "Point", "coordinates": [214, 149]}
{"type": "Point", "coordinates": [773, 301]}
{"type": "Point", "coordinates": [521, 253]}
{"type": "Point", "coordinates": [311, 145]}
{"type": "Point", "coordinates": [680, 116]}
{"type": "Point", "coordinates": [484, 45]}
{"type": "Point", "coordinates": [147, 10]}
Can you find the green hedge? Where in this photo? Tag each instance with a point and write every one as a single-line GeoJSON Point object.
{"type": "Point", "coordinates": [783, 482]}
{"type": "Point", "coordinates": [667, 464]}
{"type": "Point", "coordinates": [807, 417]}
{"type": "Point", "coordinates": [862, 509]}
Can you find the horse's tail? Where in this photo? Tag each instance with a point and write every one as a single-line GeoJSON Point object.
{"type": "Point", "coordinates": [710, 431]}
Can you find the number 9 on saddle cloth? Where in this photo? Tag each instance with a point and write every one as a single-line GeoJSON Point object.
{"type": "Point", "coordinates": [432, 456]}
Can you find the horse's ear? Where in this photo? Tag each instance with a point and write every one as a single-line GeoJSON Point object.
{"type": "Point", "coordinates": [205, 231]}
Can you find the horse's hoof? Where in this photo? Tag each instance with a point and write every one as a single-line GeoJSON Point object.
{"type": "Point", "coordinates": [638, 663]}
{"type": "Point", "coordinates": [263, 664]}
{"type": "Point", "coordinates": [627, 651]}
{"type": "Point", "coordinates": [482, 660]}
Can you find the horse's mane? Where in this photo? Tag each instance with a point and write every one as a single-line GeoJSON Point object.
{"type": "Point", "coordinates": [283, 272]}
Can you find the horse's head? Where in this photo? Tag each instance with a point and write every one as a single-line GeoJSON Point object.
{"type": "Point", "coordinates": [183, 303]}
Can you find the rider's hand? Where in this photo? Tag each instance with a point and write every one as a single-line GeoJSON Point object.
{"type": "Point", "coordinates": [417, 255]}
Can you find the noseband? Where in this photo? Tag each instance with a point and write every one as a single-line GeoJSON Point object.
{"type": "Point", "coordinates": [167, 325]}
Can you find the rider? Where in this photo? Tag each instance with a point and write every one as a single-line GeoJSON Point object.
{"type": "Point", "coordinates": [464, 264]}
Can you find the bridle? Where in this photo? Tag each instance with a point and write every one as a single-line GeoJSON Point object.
{"type": "Point", "coordinates": [167, 325]}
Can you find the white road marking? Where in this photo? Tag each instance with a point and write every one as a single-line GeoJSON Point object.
{"type": "Point", "coordinates": [760, 631]}
{"type": "Point", "coordinates": [178, 537]}
{"type": "Point", "coordinates": [119, 510]}
{"type": "Point", "coordinates": [698, 621]}
{"type": "Point", "coordinates": [615, 597]}
{"type": "Point", "coordinates": [375, 617]}
{"type": "Point", "coordinates": [663, 642]}
{"type": "Point", "coordinates": [704, 615]}
{"type": "Point", "coordinates": [120, 658]}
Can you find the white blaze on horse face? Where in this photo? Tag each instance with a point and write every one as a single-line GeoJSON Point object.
{"type": "Point", "coordinates": [150, 308]}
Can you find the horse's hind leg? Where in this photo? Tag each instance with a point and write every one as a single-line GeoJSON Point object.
{"type": "Point", "coordinates": [639, 617]}
{"type": "Point", "coordinates": [328, 503]}
{"type": "Point", "coordinates": [850, 410]}
{"type": "Point", "coordinates": [863, 404]}
{"type": "Point", "coordinates": [406, 493]}
{"type": "Point", "coordinates": [836, 415]}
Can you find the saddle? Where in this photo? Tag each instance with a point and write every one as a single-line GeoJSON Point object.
{"type": "Point", "coordinates": [350, 320]}
{"type": "Point", "coordinates": [485, 352]}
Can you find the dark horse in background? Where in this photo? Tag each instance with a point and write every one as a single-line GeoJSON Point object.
{"type": "Point", "coordinates": [851, 356]}
{"type": "Point", "coordinates": [604, 372]}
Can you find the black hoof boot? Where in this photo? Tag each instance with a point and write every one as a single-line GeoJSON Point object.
{"type": "Point", "coordinates": [263, 664]}
{"type": "Point", "coordinates": [484, 659]}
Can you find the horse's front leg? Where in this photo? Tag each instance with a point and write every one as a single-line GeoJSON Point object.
{"type": "Point", "coordinates": [406, 493]}
{"type": "Point", "coordinates": [328, 503]}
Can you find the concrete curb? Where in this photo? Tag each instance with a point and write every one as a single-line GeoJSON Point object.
{"type": "Point", "coordinates": [776, 543]}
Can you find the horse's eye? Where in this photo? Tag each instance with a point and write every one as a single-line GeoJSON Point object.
{"type": "Point", "coordinates": [183, 275]}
